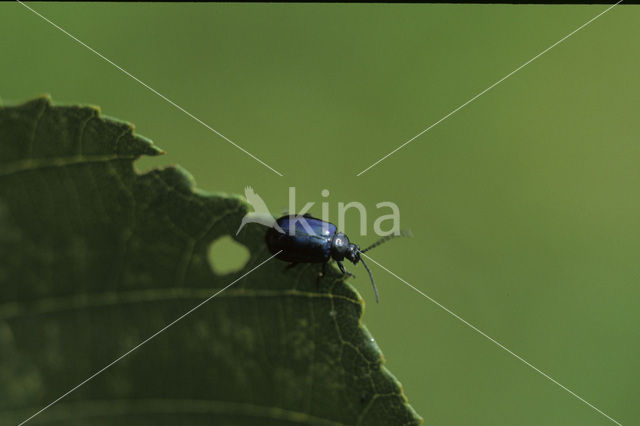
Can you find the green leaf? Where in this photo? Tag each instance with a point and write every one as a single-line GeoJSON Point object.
{"type": "Point", "coordinates": [97, 257]}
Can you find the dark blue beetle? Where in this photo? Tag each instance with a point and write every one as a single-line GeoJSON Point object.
{"type": "Point", "coordinates": [310, 240]}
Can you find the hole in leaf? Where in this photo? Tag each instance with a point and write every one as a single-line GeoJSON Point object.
{"type": "Point", "coordinates": [227, 255]}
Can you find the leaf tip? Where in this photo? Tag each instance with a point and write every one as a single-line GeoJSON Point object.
{"type": "Point", "coordinates": [95, 108]}
{"type": "Point", "coordinates": [149, 148]}
{"type": "Point", "coordinates": [157, 150]}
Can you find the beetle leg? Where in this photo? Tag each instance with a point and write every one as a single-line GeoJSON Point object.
{"type": "Point", "coordinates": [344, 271]}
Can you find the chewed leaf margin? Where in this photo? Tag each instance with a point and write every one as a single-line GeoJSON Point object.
{"type": "Point", "coordinates": [347, 307]}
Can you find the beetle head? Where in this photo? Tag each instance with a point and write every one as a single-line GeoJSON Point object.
{"type": "Point", "coordinates": [353, 253]}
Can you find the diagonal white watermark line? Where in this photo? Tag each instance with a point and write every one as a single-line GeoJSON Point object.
{"type": "Point", "coordinates": [143, 342]}
{"type": "Point", "coordinates": [492, 86]}
{"type": "Point", "coordinates": [155, 91]}
{"type": "Point", "coordinates": [500, 345]}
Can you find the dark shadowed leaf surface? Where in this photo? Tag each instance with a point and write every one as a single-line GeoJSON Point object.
{"type": "Point", "coordinates": [96, 258]}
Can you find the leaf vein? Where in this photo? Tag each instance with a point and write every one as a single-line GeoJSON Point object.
{"type": "Point", "coordinates": [32, 164]}
{"type": "Point", "coordinates": [15, 309]}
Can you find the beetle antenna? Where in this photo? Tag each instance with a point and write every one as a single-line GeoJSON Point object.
{"type": "Point", "coordinates": [375, 290]}
{"type": "Point", "coordinates": [403, 233]}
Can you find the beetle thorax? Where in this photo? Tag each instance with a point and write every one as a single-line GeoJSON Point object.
{"type": "Point", "coordinates": [341, 247]}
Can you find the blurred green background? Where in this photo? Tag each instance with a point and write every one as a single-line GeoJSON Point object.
{"type": "Point", "coordinates": [524, 205]}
